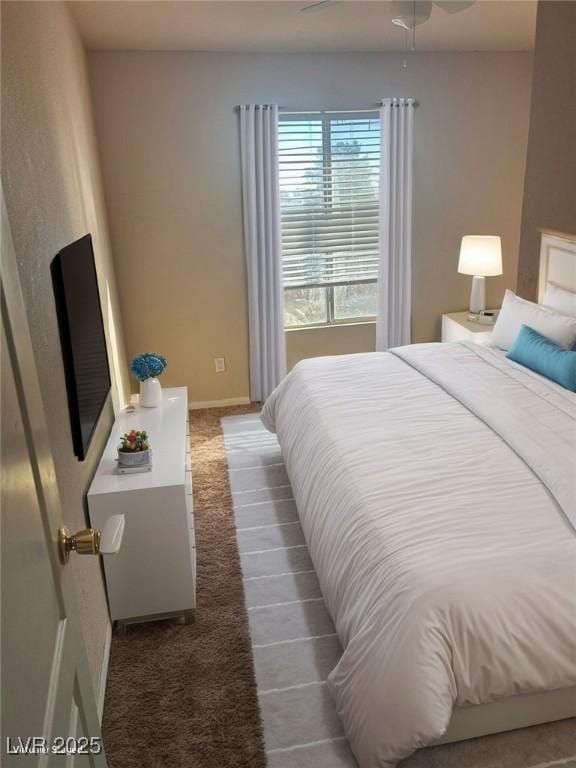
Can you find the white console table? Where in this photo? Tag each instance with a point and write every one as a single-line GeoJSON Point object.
{"type": "Point", "coordinates": [154, 574]}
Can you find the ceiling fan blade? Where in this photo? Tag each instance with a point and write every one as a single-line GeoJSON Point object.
{"type": "Point", "coordinates": [410, 13]}
{"type": "Point", "coordinates": [453, 6]}
{"type": "Point", "coordinates": [320, 6]}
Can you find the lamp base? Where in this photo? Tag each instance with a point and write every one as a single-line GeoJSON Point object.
{"type": "Point", "coordinates": [478, 295]}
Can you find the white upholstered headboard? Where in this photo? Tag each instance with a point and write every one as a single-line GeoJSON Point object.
{"type": "Point", "coordinates": [557, 261]}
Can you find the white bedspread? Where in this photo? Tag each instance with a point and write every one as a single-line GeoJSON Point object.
{"type": "Point", "coordinates": [434, 486]}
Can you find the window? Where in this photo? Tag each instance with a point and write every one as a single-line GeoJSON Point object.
{"type": "Point", "coordinates": [329, 166]}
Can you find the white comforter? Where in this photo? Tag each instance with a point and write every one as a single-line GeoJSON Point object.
{"type": "Point", "coordinates": [435, 485]}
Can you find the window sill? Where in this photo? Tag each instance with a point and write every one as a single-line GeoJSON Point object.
{"type": "Point", "coordinates": [324, 326]}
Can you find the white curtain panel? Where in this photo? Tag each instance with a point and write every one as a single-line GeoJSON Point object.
{"type": "Point", "coordinates": [394, 274]}
{"type": "Point", "coordinates": [262, 242]}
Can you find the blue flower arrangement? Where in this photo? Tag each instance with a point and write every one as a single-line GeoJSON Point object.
{"type": "Point", "coordinates": [148, 365]}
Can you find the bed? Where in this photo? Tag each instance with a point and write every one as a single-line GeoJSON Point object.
{"type": "Point", "coordinates": [436, 489]}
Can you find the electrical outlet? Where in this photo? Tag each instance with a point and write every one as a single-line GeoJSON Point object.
{"type": "Point", "coordinates": [220, 364]}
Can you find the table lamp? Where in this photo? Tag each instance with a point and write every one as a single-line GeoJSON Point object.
{"type": "Point", "coordinates": [481, 257]}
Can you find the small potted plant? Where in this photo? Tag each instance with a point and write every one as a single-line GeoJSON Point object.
{"type": "Point", "coordinates": [134, 449]}
{"type": "Point", "coordinates": [146, 368]}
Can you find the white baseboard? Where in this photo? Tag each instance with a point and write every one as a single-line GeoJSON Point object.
{"type": "Point", "coordinates": [198, 404]}
{"type": "Point", "coordinates": [104, 672]}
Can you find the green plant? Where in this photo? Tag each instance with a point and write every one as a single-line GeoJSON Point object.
{"type": "Point", "coordinates": [132, 442]}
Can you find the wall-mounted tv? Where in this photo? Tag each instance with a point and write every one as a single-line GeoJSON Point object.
{"type": "Point", "coordinates": [82, 339]}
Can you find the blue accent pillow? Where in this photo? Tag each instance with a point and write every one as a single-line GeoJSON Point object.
{"type": "Point", "coordinates": [538, 353]}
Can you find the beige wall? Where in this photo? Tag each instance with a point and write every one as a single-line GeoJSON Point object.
{"type": "Point", "coordinates": [53, 195]}
{"type": "Point", "coordinates": [550, 185]}
{"type": "Point", "coordinates": [329, 340]}
{"type": "Point", "coordinates": [168, 135]}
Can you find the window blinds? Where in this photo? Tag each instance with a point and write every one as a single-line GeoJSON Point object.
{"type": "Point", "coordinates": [329, 191]}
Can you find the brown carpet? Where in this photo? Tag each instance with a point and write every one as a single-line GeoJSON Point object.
{"type": "Point", "coordinates": [184, 696]}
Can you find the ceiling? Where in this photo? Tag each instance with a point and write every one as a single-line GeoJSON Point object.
{"type": "Point", "coordinates": [276, 26]}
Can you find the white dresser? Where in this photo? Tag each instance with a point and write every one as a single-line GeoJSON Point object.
{"type": "Point", "coordinates": [154, 574]}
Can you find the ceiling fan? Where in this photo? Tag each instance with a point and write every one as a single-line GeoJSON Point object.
{"type": "Point", "coordinates": [407, 14]}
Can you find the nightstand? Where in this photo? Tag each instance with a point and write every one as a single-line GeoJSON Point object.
{"type": "Point", "coordinates": [457, 327]}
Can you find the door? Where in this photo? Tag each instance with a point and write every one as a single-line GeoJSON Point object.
{"type": "Point", "coordinates": [49, 714]}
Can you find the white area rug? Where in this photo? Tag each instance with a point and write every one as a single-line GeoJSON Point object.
{"type": "Point", "coordinates": [293, 639]}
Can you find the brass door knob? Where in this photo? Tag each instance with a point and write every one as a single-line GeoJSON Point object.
{"type": "Point", "coordinates": [91, 541]}
{"type": "Point", "coordinates": [85, 542]}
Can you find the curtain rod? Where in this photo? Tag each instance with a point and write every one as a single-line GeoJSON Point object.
{"type": "Point", "coordinates": [287, 111]}
{"type": "Point", "coordinates": [292, 111]}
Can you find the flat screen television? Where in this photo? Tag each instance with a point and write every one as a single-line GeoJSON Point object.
{"type": "Point", "coordinates": [82, 339]}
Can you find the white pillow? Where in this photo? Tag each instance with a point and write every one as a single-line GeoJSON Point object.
{"type": "Point", "coordinates": [559, 299]}
{"type": "Point", "coordinates": [517, 312]}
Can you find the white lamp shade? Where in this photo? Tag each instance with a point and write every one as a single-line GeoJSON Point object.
{"type": "Point", "coordinates": [480, 255]}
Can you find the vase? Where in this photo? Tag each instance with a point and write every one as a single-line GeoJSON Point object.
{"type": "Point", "coordinates": [150, 393]}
